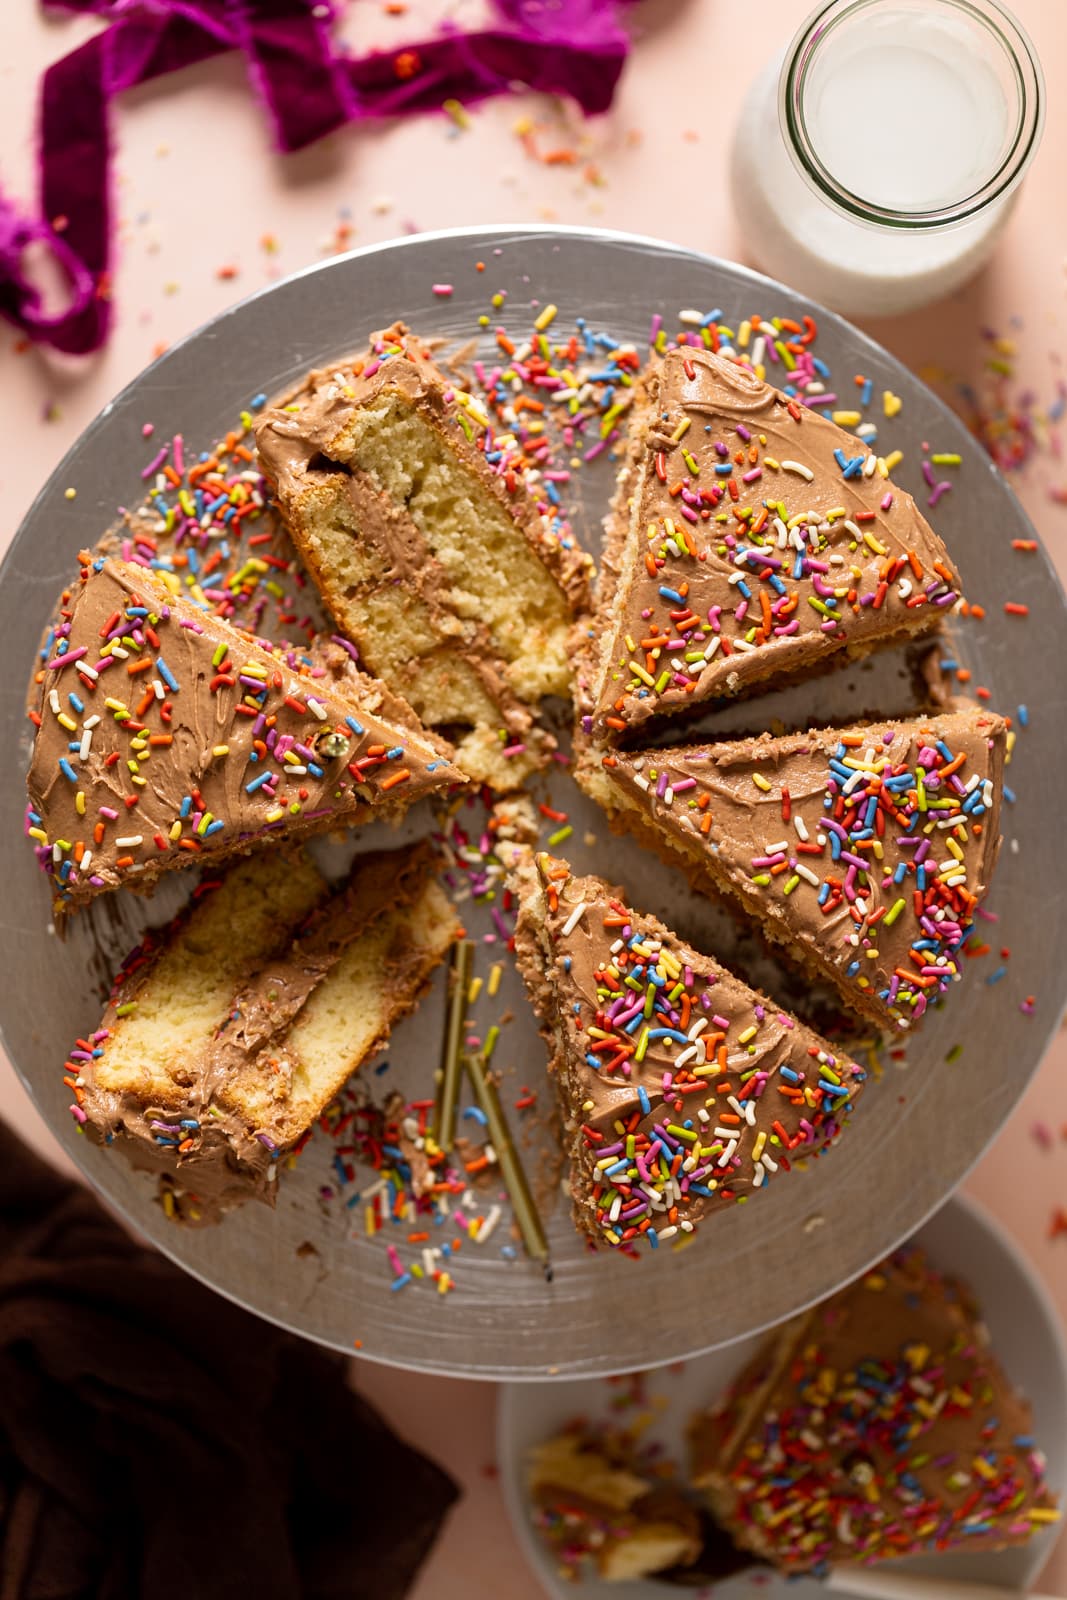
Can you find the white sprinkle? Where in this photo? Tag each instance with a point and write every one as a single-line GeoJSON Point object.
{"type": "Point", "coordinates": [317, 709]}
{"type": "Point", "coordinates": [801, 826]}
{"type": "Point", "coordinates": [573, 920]}
{"type": "Point", "coordinates": [806, 873]}
{"type": "Point", "coordinates": [711, 647]}
{"type": "Point", "coordinates": [53, 701]}
{"type": "Point", "coordinates": [692, 319]}
{"type": "Point", "coordinates": [685, 1057]}
{"type": "Point", "coordinates": [668, 1233]}
{"type": "Point", "coordinates": [86, 745]}
{"type": "Point", "coordinates": [129, 842]}
{"type": "Point", "coordinates": [799, 468]}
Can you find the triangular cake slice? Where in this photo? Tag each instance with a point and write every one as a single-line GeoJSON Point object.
{"type": "Point", "coordinates": [681, 1089]}
{"type": "Point", "coordinates": [751, 540]}
{"type": "Point", "coordinates": [228, 1033]}
{"type": "Point", "coordinates": [879, 1424]}
{"type": "Point", "coordinates": [862, 851]}
{"type": "Point", "coordinates": [435, 545]}
{"type": "Point", "coordinates": [165, 737]}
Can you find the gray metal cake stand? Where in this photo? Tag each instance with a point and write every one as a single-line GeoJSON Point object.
{"type": "Point", "coordinates": [309, 1264]}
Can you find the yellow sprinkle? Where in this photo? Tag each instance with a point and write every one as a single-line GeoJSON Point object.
{"type": "Point", "coordinates": [681, 430]}
{"type": "Point", "coordinates": [495, 972]}
{"type": "Point", "coordinates": [79, 802]}
{"type": "Point", "coordinates": [893, 460]}
{"type": "Point", "coordinates": [872, 543]}
{"type": "Point", "coordinates": [760, 781]}
{"type": "Point", "coordinates": [646, 677]}
{"type": "Point", "coordinates": [175, 830]}
{"type": "Point", "coordinates": [761, 1140]}
{"type": "Point", "coordinates": [70, 494]}
{"type": "Point", "coordinates": [847, 419]}
{"type": "Point", "coordinates": [749, 1033]}
{"type": "Point", "coordinates": [891, 403]}
{"type": "Point", "coordinates": [474, 989]}
{"type": "Point", "coordinates": [221, 750]}
{"type": "Point", "coordinates": [548, 315]}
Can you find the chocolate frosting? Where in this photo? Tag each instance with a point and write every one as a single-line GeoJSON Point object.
{"type": "Point", "coordinates": [877, 1425]}
{"type": "Point", "coordinates": [628, 1069]}
{"type": "Point", "coordinates": [759, 538]}
{"type": "Point", "coordinates": [769, 820]}
{"type": "Point", "coordinates": [166, 736]}
{"type": "Point", "coordinates": [229, 1116]}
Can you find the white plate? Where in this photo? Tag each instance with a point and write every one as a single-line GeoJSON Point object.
{"type": "Point", "coordinates": [962, 1239]}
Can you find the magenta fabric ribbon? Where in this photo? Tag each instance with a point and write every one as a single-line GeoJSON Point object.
{"type": "Point", "coordinates": [307, 86]}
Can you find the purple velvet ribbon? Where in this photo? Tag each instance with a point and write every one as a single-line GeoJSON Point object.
{"type": "Point", "coordinates": [307, 87]}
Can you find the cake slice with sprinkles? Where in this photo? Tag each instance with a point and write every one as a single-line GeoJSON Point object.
{"type": "Point", "coordinates": [228, 1034]}
{"type": "Point", "coordinates": [863, 852]}
{"type": "Point", "coordinates": [681, 1089]}
{"type": "Point", "coordinates": [752, 540]}
{"type": "Point", "coordinates": [165, 738]}
{"type": "Point", "coordinates": [880, 1424]}
{"type": "Point", "coordinates": [438, 546]}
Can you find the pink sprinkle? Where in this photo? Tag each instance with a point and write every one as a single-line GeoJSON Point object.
{"type": "Point", "coordinates": [179, 456]}
{"type": "Point", "coordinates": [442, 288]}
{"type": "Point", "coordinates": [887, 501]}
{"type": "Point", "coordinates": [156, 462]}
{"type": "Point", "coordinates": [148, 430]}
{"type": "Point", "coordinates": [65, 660]}
{"type": "Point", "coordinates": [940, 489]}
{"type": "Point", "coordinates": [513, 750]}
{"type": "Point", "coordinates": [78, 1114]}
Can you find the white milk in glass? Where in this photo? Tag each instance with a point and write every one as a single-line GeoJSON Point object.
{"type": "Point", "coordinates": [909, 110]}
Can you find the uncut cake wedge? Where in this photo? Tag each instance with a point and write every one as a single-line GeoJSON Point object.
{"type": "Point", "coordinates": [862, 851]}
{"type": "Point", "coordinates": [165, 738]}
{"type": "Point", "coordinates": [228, 1034]}
{"type": "Point", "coordinates": [434, 545]}
{"type": "Point", "coordinates": [878, 1425]}
{"type": "Point", "coordinates": [751, 540]}
{"type": "Point", "coordinates": [680, 1088]}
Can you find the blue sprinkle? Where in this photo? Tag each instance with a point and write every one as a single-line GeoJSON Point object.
{"type": "Point", "coordinates": [476, 1114]}
{"type": "Point", "coordinates": [995, 977]}
{"type": "Point", "coordinates": [1009, 795]}
{"type": "Point", "coordinates": [672, 594]}
{"type": "Point", "coordinates": [401, 1282]}
{"type": "Point", "coordinates": [642, 1095]}
{"type": "Point", "coordinates": [67, 770]}
{"type": "Point", "coordinates": [357, 727]}
{"type": "Point", "coordinates": [383, 1066]}
{"type": "Point", "coordinates": [79, 704]}
{"type": "Point", "coordinates": [865, 392]}
{"type": "Point", "coordinates": [1023, 714]}
{"type": "Point", "coordinates": [165, 673]}
{"type": "Point", "coordinates": [257, 783]}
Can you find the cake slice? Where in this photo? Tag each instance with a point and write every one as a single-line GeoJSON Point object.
{"type": "Point", "coordinates": [599, 1506]}
{"type": "Point", "coordinates": [436, 548]}
{"type": "Point", "coordinates": [680, 1088]}
{"type": "Point", "coordinates": [862, 851]}
{"type": "Point", "coordinates": [879, 1424]}
{"type": "Point", "coordinates": [165, 737]}
{"type": "Point", "coordinates": [226, 1036]}
{"type": "Point", "coordinates": [750, 540]}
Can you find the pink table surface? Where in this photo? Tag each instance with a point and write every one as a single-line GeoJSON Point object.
{"type": "Point", "coordinates": [208, 214]}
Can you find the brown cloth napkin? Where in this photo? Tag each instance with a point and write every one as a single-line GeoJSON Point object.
{"type": "Point", "coordinates": [158, 1443]}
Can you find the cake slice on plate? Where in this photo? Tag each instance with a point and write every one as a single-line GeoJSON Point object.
{"type": "Point", "coordinates": [227, 1035]}
{"type": "Point", "coordinates": [879, 1424]}
{"type": "Point", "coordinates": [680, 1088]}
{"type": "Point", "coordinates": [435, 546]}
{"type": "Point", "coordinates": [598, 1505]}
{"type": "Point", "coordinates": [165, 737]}
{"type": "Point", "coordinates": [751, 539]}
{"type": "Point", "coordinates": [862, 851]}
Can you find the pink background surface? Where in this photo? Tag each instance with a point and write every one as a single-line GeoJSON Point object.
{"type": "Point", "coordinates": [208, 213]}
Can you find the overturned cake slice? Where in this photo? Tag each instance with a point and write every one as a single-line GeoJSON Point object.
{"type": "Point", "coordinates": [435, 547]}
{"type": "Point", "coordinates": [164, 737]}
{"type": "Point", "coordinates": [751, 540]}
{"type": "Point", "coordinates": [862, 851]}
{"type": "Point", "coordinates": [879, 1424]}
{"type": "Point", "coordinates": [227, 1035]}
{"type": "Point", "coordinates": [603, 1504]}
{"type": "Point", "coordinates": [681, 1089]}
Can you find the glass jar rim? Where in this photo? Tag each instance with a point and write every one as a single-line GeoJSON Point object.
{"type": "Point", "coordinates": [1031, 85]}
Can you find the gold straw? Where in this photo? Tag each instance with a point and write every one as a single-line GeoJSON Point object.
{"type": "Point", "coordinates": [485, 1092]}
{"type": "Point", "coordinates": [460, 963]}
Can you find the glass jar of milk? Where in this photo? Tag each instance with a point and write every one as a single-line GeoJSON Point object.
{"type": "Point", "coordinates": [876, 162]}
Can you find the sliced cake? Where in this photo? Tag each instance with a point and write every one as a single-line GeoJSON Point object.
{"type": "Point", "coordinates": [435, 545]}
{"type": "Point", "coordinates": [227, 1035]}
{"type": "Point", "coordinates": [602, 1508]}
{"type": "Point", "coordinates": [879, 1424]}
{"type": "Point", "coordinates": [862, 851]}
{"type": "Point", "coordinates": [750, 540]}
{"type": "Point", "coordinates": [680, 1088]}
{"type": "Point", "coordinates": [164, 736]}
